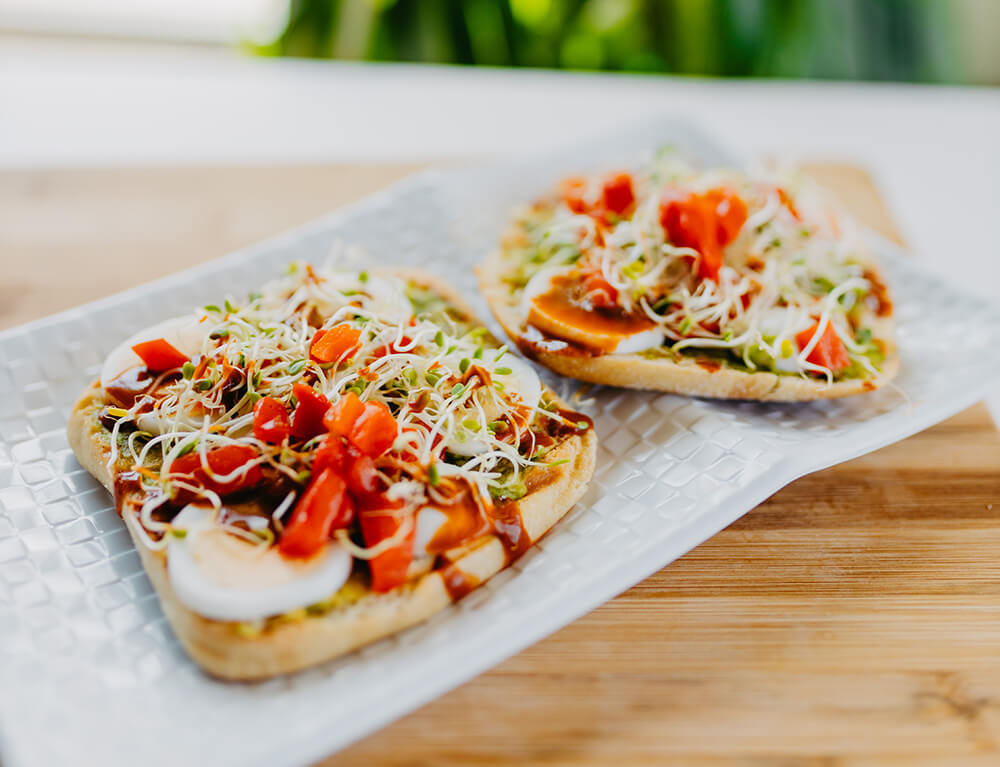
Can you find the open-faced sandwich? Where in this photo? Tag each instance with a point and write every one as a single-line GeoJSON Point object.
{"type": "Point", "coordinates": [713, 283]}
{"type": "Point", "coordinates": [326, 463]}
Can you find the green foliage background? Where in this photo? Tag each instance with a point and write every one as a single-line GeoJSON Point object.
{"type": "Point", "coordinates": [903, 40]}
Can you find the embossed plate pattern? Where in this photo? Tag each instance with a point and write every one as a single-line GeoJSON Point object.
{"type": "Point", "coordinates": [89, 670]}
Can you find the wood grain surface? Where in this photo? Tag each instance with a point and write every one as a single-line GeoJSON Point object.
{"type": "Point", "coordinates": [852, 619]}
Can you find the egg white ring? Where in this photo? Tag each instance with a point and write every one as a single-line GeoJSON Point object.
{"type": "Point", "coordinates": [539, 284]}
{"type": "Point", "coordinates": [429, 520]}
{"type": "Point", "coordinates": [641, 341]}
{"type": "Point", "coordinates": [225, 603]}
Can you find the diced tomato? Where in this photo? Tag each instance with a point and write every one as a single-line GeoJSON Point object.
{"type": "Point", "coordinates": [362, 479]}
{"type": "Point", "coordinates": [731, 213]}
{"type": "Point", "coordinates": [222, 461]}
{"type": "Point", "coordinates": [617, 193]}
{"type": "Point", "coordinates": [339, 342]}
{"type": "Point", "coordinates": [388, 569]}
{"type": "Point", "coordinates": [601, 293]}
{"type": "Point", "coordinates": [307, 420]}
{"type": "Point", "coordinates": [324, 507]}
{"type": "Point", "coordinates": [829, 351]}
{"type": "Point", "coordinates": [340, 418]}
{"type": "Point", "coordinates": [332, 453]}
{"type": "Point", "coordinates": [573, 191]}
{"type": "Point", "coordinates": [706, 223]}
{"type": "Point", "coordinates": [270, 421]}
{"type": "Point", "coordinates": [159, 355]}
{"type": "Point", "coordinates": [788, 203]}
{"type": "Point", "coordinates": [357, 469]}
{"type": "Point", "coordinates": [381, 351]}
{"type": "Point", "coordinates": [375, 430]}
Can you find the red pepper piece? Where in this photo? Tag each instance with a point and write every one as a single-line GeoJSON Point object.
{"type": "Point", "coordinates": [381, 351]}
{"type": "Point", "coordinates": [617, 193]}
{"type": "Point", "coordinates": [362, 478]}
{"type": "Point", "coordinates": [335, 344]}
{"type": "Point", "coordinates": [388, 569]}
{"type": "Point", "coordinates": [159, 355]}
{"type": "Point", "coordinates": [307, 420]}
{"type": "Point", "coordinates": [829, 351]}
{"type": "Point", "coordinates": [704, 222]}
{"type": "Point", "coordinates": [332, 453]}
{"type": "Point", "coordinates": [340, 418]}
{"type": "Point", "coordinates": [324, 507]}
{"type": "Point", "coordinates": [270, 421]}
{"type": "Point", "coordinates": [222, 461]}
{"type": "Point", "coordinates": [573, 191]}
{"type": "Point", "coordinates": [375, 430]}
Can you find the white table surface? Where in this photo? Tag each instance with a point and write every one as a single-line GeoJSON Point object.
{"type": "Point", "coordinates": [935, 152]}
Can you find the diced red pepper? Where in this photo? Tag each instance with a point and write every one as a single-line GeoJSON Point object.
{"type": "Point", "coordinates": [332, 453]}
{"type": "Point", "coordinates": [337, 343]}
{"type": "Point", "coordinates": [573, 191]}
{"type": "Point", "coordinates": [222, 461]}
{"type": "Point", "coordinates": [704, 222]}
{"type": "Point", "coordinates": [307, 420]}
{"type": "Point", "coordinates": [362, 478]}
{"type": "Point", "coordinates": [375, 430]}
{"type": "Point", "coordinates": [270, 421]}
{"type": "Point", "coordinates": [381, 351]}
{"type": "Point", "coordinates": [325, 506]}
{"type": "Point", "coordinates": [388, 569]}
{"type": "Point", "coordinates": [601, 293]}
{"type": "Point", "coordinates": [340, 418]}
{"type": "Point", "coordinates": [357, 469]}
{"type": "Point", "coordinates": [731, 213]}
{"type": "Point", "coordinates": [159, 355]}
{"type": "Point", "coordinates": [617, 193]}
{"type": "Point", "coordinates": [829, 351]}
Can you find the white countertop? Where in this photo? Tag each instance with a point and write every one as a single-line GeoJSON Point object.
{"type": "Point", "coordinates": [935, 152]}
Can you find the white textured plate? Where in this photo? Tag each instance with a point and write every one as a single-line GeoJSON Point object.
{"type": "Point", "coordinates": [91, 674]}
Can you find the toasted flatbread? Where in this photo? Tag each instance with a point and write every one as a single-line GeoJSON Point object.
{"type": "Point", "coordinates": [712, 282]}
{"type": "Point", "coordinates": [688, 376]}
{"type": "Point", "coordinates": [290, 643]}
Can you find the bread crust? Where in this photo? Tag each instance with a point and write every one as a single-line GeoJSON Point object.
{"type": "Point", "coordinates": [287, 646]}
{"type": "Point", "coordinates": [634, 371]}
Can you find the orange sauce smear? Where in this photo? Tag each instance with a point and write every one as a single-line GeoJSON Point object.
{"type": "Point", "coordinates": [558, 314]}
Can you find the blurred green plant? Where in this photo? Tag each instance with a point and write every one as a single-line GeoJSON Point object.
{"type": "Point", "coordinates": [908, 40]}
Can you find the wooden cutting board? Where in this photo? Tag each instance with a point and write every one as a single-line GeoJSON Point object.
{"type": "Point", "coordinates": [852, 619]}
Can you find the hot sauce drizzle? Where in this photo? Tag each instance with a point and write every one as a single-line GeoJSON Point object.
{"type": "Point", "coordinates": [127, 483]}
{"type": "Point", "coordinates": [456, 582]}
{"type": "Point", "coordinates": [130, 385]}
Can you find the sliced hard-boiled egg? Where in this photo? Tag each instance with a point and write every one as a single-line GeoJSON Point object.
{"type": "Point", "coordinates": [429, 520]}
{"type": "Point", "coordinates": [539, 284]}
{"type": "Point", "coordinates": [783, 322]}
{"type": "Point", "coordinates": [155, 422]}
{"type": "Point", "coordinates": [549, 307]}
{"type": "Point", "coordinates": [641, 341]}
{"type": "Point", "coordinates": [222, 577]}
{"type": "Point", "coordinates": [522, 381]}
{"type": "Point", "coordinates": [440, 529]}
{"type": "Point", "coordinates": [788, 365]}
{"type": "Point", "coordinates": [186, 334]}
